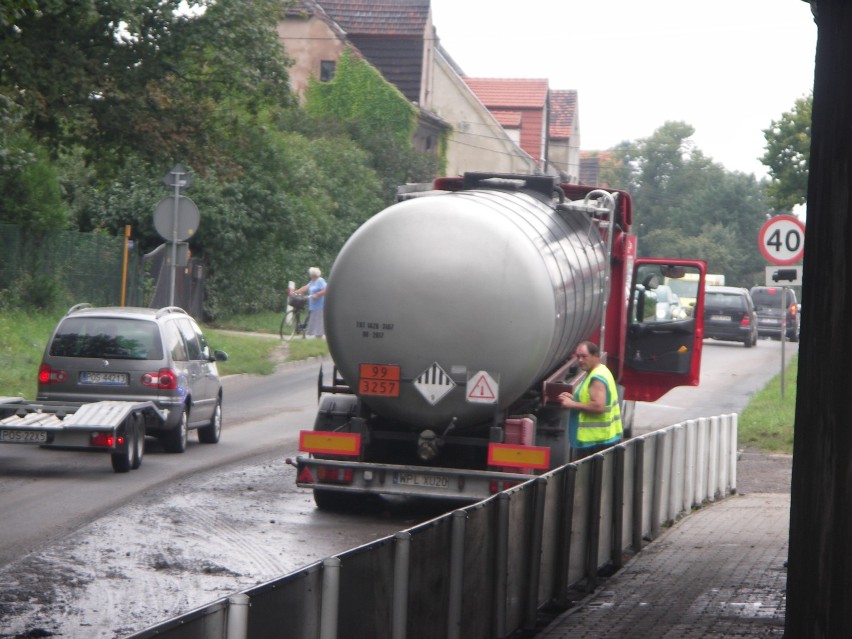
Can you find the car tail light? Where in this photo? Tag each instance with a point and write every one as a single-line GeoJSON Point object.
{"type": "Point", "coordinates": [48, 375]}
{"type": "Point", "coordinates": [745, 321]}
{"type": "Point", "coordinates": [163, 379]}
{"type": "Point", "coordinates": [334, 475]}
{"type": "Point", "coordinates": [793, 310]}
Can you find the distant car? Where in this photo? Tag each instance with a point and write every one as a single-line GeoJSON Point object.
{"type": "Point", "coordinates": [668, 304]}
{"type": "Point", "coordinates": [137, 354]}
{"type": "Point", "coordinates": [729, 315]}
{"type": "Point", "coordinates": [767, 303]}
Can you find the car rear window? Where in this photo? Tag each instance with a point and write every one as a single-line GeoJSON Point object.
{"type": "Point", "coordinates": [768, 297]}
{"type": "Point", "coordinates": [724, 301]}
{"type": "Point", "coordinates": [108, 338]}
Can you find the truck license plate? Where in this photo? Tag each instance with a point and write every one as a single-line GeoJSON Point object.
{"type": "Point", "coordinates": [23, 437]}
{"type": "Point", "coordinates": [106, 379]}
{"type": "Point", "coordinates": [418, 479]}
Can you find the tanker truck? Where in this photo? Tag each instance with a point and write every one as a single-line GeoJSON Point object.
{"type": "Point", "coordinates": [452, 318]}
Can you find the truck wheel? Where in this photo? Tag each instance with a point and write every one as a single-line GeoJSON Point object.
{"type": "Point", "coordinates": [210, 434]}
{"type": "Point", "coordinates": [122, 461]}
{"type": "Point", "coordinates": [174, 441]}
{"type": "Point", "coordinates": [139, 448]}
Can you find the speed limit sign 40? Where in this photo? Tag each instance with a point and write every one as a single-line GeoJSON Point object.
{"type": "Point", "coordinates": [782, 239]}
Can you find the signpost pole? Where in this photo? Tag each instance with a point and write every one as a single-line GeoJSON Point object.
{"type": "Point", "coordinates": [174, 239]}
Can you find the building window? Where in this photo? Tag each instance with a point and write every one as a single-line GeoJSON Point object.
{"type": "Point", "coordinates": [327, 70]}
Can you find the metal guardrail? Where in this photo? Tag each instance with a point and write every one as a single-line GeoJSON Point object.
{"type": "Point", "coordinates": [485, 570]}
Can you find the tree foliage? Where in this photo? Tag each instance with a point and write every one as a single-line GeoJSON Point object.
{"type": "Point", "coordinates": [788, 145]}
{"type": "Point", "coordinates": [687, 206]}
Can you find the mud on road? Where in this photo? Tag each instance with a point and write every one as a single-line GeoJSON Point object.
{"type": "Point", "coordinates": [205, 538]}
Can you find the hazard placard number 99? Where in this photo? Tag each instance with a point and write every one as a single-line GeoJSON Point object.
{"type": "Point", "coordinates": [782, 239]}
{"type": "Point", "coordinates": [378, 379]}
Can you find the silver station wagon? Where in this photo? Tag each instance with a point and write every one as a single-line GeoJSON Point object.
{"type": "Point", "coordinates": [137, 354]}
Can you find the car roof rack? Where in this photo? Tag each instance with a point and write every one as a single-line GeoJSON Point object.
{"type": "Point", "coordinates": [78, 307]}
{"type": "Point", "coordinates": [170, 309]}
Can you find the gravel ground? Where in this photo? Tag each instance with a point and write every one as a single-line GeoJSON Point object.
{"type": "Point", "coordinates": [215, 535]}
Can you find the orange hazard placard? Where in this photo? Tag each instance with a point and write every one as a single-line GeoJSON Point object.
{"type": "Point", "coordinates": [378, 379]}
{"type": "Point", "coordinates": [519, 456]}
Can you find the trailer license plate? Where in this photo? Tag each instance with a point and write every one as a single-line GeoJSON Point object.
{"type": "Point", "coordinates": [418, 479]}
{"type": "Point", "coordinates": [104, 379]}
{"type": "Point", "coordinates": [23, 437]}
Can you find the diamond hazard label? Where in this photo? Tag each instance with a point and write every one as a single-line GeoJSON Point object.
{"type": "Point", "coordinates": [434, 384]}
{"type": "Point", "coordinates": [482, 389]}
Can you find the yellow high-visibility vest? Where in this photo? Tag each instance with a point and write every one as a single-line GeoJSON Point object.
{"type": "Point", "coordinates": [604, 428]}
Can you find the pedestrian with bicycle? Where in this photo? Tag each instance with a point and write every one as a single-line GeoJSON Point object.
{"type": "Point", "coordinates": [315, 290]}
{"type": "Point", "coordinates": [595, 420]}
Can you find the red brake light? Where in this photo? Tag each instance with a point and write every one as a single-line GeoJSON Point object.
{"type": "Point", "coordinates": [48, 375]}
{"type": "Point", "coordinates": [745, 321]}
{"type": "Point", "coordinates": [103, 439]}
{"type": "Point", "coordinates": [793, 310]}
{"type": "Point", "coordinates": [334, 475]}
{"type": "Point", "coordinates": [164, 379]}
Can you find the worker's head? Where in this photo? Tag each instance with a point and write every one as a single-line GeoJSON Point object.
{"type": "Point", "coordinates": [314, 272]}
{"type": "Point", "coordinates": [588, 355]}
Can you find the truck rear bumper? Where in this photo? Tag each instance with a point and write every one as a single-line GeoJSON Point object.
{"type": "Point", "coordinates": [416, 481]}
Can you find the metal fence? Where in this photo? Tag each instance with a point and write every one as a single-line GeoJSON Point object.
{"type": "Point", "coordinates": [486, 570]}
{"type": "Point", "coordinates": [82, 266]}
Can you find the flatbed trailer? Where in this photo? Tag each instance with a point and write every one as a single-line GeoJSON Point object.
{"type": "Point", "coordinates": [115, 427]}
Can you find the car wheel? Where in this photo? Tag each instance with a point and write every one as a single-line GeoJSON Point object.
{"type": "Point", "coordinates": [122, 461]}
{"type": "Point", "coordinates": [174, 441]}
{"type": "Point", "coordinates": [210, 434]}
{"type": "Point", "coordinates": [139, 448]}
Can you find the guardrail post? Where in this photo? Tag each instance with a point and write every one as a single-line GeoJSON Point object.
{"type": "Point", "coordinates": [540, 492]}
{"type": "Point", "coordinates": [454, 605]}
{"type": "Point", "coordinates": [689, 465]}
{"type": "Point", "coordinates": [732, 452]}
{"type": "Point", "coordinates": [660, 482]}
{"type": "Point", "coordinates": [569, 482]}
{"type": "Point", "coordinates": [401, 566]}
{"type": "Point", "coordinates": [238, 611]}
{"type": "Point", "coordinates": [330, 598]}
{"type": "Point", "coordinates": [678, 463]}
{"type": "Point", "coordinates": [713, 461]}
{"type": "Point", "coordinates": [594, 522]}
{"type": "Point", "coordinates": [638, 492]}
{"type": "Point", "coordinates": [502, 565]}
{"type": "Point", "coordinates": [616, 554]}
{"type": "Point", "coordinates": [724, 434]}
{"type": "Point", "coordinates": [701, 463]}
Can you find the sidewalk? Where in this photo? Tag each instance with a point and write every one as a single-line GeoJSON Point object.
{"type": "Point", "coordinates": [719, 572]}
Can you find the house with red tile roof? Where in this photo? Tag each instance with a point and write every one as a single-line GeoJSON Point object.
{"type": "Point", "coordinates": [493, 125]}
{"type": "Point", "coordinates": [563, 141]}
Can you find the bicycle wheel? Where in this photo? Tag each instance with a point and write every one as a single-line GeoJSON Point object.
{"type": "Point", "coordinates": [289, 324]}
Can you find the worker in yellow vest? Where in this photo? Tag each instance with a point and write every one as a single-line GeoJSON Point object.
{"type": "Point", "coordinates": [595, 420]}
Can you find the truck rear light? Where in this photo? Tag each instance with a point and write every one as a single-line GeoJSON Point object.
{"type": "Point", "coordinates": [106, 439]}
{"type": "Point", "coordinates": [163, 379]}
{"type": "Point", "coordinates": [334, 475]}
{"type": "Point", "coordinates": [499, 485]}
{"type": "Point", "coordinates": [48, 375]}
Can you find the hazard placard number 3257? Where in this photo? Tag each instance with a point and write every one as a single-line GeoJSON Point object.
{"type": "Point", "coordinates": [378, 379]}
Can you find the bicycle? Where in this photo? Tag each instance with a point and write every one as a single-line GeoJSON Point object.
{"type": "Point", "coordinates": [295, 318]}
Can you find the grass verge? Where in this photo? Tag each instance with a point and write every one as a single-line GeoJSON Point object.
{"type": "Point", "coordinates": [767, 421]}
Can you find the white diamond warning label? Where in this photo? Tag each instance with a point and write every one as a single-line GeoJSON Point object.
{"type": "Point", "coordinates": [434, 384]}
{"type": "Point", "coordinates": [482, 389]}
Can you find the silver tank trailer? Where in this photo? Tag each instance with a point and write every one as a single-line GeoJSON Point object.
{"type": "Point", "coordinates": [479, 280]}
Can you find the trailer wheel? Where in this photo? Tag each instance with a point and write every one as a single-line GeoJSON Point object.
{"type": "Point", "coordinates": [139, 448]}
{"type": "Point", "coordinates": [210, 434]}
{"type": "Point", "coordinates": [174, 441]}
{"type": "Point", "coordinates": [122, 461]}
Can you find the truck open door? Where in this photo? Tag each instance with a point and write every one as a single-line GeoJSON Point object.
{"type": "Point", "coordinates": [663, 340]}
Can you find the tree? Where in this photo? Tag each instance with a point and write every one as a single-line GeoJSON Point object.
{"type": "Point", "coordinates": [690, 207]}
{"type": "Point", "coordinates": [788, 142]}
{"type": "Point", "coordinates": [819, 589]}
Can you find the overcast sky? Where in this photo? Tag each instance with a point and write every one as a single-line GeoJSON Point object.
{"type": "Point", "coordinates": [727, 67]}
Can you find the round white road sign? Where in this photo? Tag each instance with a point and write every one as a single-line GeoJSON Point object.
{"type": "Point", "coordinates": [782, 239]}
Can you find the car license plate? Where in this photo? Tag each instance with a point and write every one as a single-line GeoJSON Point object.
{"type": "Point", "coordinates": [772, 322]}
{"type": "Point", "coordinates": [23, 437]}
{"type": "Point", "coordinates": [720, 318]}
{"type": "Point", "coordinates": [104, 379]}
{"type": "Point", "coordinates": [419, 479]}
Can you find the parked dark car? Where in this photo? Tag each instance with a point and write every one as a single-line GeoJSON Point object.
{"type": "Point", "coordinates": [767, 303]}
{"type": "Point", "coordinates": [729, 315]}
{"type": "Point", "coordinates": [137, 354]}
